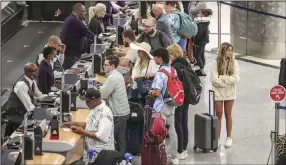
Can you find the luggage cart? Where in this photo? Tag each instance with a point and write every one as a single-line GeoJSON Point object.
{"type": "Point", "coordinates": [278, 141]}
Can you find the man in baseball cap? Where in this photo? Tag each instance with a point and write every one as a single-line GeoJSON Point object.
{"type": "Point", "coordinates": [98, 129]}
{"type": "Point", "coordinates": [91, 94]}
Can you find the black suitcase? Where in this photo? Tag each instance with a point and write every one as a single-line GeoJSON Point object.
{"type": "Point", "coordinates": [134, 138]}
{"type": "Point", "coordinates": [206, 128]}
{"type": "Point", "coordinates": [282, 74]}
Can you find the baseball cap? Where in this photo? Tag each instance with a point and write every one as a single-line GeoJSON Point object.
{"type": "Point", "coordinates": [91, 94]}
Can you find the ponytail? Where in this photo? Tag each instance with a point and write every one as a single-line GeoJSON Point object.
{"type": "Point", "coordinates": [91, 13]}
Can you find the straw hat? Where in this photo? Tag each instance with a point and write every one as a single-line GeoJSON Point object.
{"type": "Point", "coordinates": [142, 46]}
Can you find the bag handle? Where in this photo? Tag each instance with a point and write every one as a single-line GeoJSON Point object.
{"type": "Point", "coordinates": [211, 95]}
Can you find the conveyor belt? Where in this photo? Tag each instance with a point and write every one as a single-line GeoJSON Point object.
{"type": "Point", "coordinates": [24, 47]}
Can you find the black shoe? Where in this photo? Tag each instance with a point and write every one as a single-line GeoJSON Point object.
{"type": "Point", "coordinates": [199, 73]}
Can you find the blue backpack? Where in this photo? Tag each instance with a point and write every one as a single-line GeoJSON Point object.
{"type": "Point", "coordinates": [188, 28]}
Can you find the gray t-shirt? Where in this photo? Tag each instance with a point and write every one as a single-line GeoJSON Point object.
{"type": "Point", "coordinates": [155, 42]}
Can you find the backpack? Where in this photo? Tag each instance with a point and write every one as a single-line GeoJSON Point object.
{"type": "Point", "coordinates": [156, 130]}
{"type": "Point", "coordinates": [188, 28]}
{"type": "Point", "coordinates": [192, 86]}
{"type": "Point", "coordinates": [282, 73]}
{"type": "Point", "coordinates": [108, 157]}
{"type": "Point", "coordinates": [174, 94]}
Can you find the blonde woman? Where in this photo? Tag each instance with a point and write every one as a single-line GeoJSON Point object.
{"type": "Point", "coordinates": [145, 66]}
{"type": "Point", "coordinates": [224, 77]}
{"type": "Point", "coordinates": [96, 13]}
{"type": "Point", "coordinates": [178, 61]}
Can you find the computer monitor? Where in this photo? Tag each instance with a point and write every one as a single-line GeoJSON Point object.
{"type": "Point", "coordinates": [19, 159]}
{"type": "Point", "coordinates": [97, 63]}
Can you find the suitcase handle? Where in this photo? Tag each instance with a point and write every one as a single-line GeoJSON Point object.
{"type": "Point", "coordinates": [94, 42]}
{"type": "Point", "coordinates": [212, 95]}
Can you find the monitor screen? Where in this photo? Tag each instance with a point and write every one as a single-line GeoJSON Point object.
{"type": "Point", "coordinates": [19, 159]}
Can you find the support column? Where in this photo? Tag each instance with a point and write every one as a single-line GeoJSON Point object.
{"type": "Point", "coordinates": [256, 34]}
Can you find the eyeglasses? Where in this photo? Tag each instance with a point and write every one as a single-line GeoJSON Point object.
{"type": "Point", "coordinates": [145, 26]}
{"type": "Point", "coordinates": [36, 70]}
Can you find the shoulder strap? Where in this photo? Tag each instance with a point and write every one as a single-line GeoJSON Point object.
{"type": "Point", "coordinates": [165, 71]}
{"type": "Point", "coordinates": [161, 38]}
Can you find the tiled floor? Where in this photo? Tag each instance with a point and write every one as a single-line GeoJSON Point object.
{"type": "Point", "coordinates": [253, 118]}
{"type": "Point", "coordinates": [253, 111]}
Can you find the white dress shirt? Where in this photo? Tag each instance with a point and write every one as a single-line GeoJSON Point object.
{"type": "Point", "coordinates": [21, 90]}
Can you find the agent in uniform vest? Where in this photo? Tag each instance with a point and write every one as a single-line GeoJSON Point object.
{"type": "Point", "coordinates": [22, 97]}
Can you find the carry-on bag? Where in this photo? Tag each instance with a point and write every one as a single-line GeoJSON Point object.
{"type": "Point", "coordinates": [206, 128]}
{"type": "Point", "coordinates": [153, 149]}
{"type": "Point", "coordinates": [134, 128]}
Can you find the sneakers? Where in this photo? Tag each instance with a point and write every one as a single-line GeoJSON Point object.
{"type": "Point", "coordinates": [175, 161]}
{"type": "Point", "coordinates": [228, 142]}
{"type": "Point", "coordinates": [181, 156]}
{"type": "Point", "coordinates": [185, 152]}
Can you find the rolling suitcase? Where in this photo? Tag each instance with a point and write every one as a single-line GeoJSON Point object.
{"type": "Point", "coordinates": [206, 129]}
{"type": "Point", "coordinates": [152, 153]}
{"type": "Point", "coordinates": [134, 130]}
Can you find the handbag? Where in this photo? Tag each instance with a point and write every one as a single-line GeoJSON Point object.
{"type": "Point", "coordinates": [143, 84]}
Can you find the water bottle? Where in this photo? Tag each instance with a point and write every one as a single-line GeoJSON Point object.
{"type": "Point", "coordinates": [91, 152]}
{"type": "Point", "coordinates": [128, 157]}
{"type": "Point", "coordinates": [63, 80]}
{"type": "Point", "coordinates": [90, 83]}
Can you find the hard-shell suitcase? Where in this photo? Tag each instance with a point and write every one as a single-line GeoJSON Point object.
{"type": "Point", "coordinates": [152, 154]}
{"type": "Point", "coordinates": [206, 129]}
{"type": "Point", "coordinates": [134, 130]}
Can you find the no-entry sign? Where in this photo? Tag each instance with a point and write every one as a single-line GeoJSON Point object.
{"type": "Point", "coordinates": [278, 93]}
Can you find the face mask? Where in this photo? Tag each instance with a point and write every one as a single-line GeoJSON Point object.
{"type": "Point", "coordinates": [55, 59]}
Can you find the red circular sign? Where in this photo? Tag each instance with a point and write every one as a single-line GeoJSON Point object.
{"type": "Point", "coordinates": [278, 93]}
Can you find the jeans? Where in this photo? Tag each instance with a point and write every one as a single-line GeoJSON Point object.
{"type": "Point", "coordinates": [168, 113]}
{"type": "Point", "coordinates": [181, 125]}
{"type": "Point", "coordinates": [183, 43]}
{"type": "Point", "coordinates": [120, 132]}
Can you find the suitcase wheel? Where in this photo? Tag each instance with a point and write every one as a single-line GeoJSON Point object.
{"type": "Point", "coordinates": [195, 147]}
{"type": "Point", "coordinates": [214, 150]}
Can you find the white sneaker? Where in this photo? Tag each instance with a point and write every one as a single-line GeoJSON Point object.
{"type": "Point", "coordinates": [218, 143]}
{"type": "Point", "coordinates": [181, 156]}
{"type": "Point", "coordinates": [185, 152]}
{"type": "Point", "coordinates": [175, 161]}
{"type": "Point", "coordinates": [228, 142]}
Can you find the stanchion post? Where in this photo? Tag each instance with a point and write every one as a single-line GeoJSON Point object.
{"type": "Point", "coordinates": [273, 141]}
{"type": "Point", "coordinates": [219, 23]}
{"type": "Point", "coordinates": [219, 28]}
